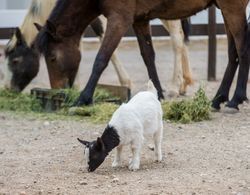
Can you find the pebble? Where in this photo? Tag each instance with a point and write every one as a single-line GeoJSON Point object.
{"type": "Point", "coordinates": [115, 180]}
{"type": "Point", "coordinates": [83, 183]}
{"type": "Point", "coordinates": [46, 123]}
{"type": "Point", "coordinates": [248, 147]}
{"type": "Point", "coordinates": [203, 137]}
{"type": "Point", "coordinates": [22, 193]}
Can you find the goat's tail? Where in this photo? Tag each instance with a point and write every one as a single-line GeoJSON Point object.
{"type": "Point", "coordinates": [152, 88]}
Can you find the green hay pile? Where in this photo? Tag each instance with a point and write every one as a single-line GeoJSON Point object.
{"type": "Point", "coordinates": [19, 102]}
{"type": "Point", "coordinates": [97, 113]}
{"type": "Point", "coordinates": [186, 111]}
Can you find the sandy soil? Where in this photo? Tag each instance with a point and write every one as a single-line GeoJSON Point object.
{"type": "Point", "coordinates": [211, 157]}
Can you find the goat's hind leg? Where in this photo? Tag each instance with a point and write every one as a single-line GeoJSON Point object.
{"type": "Point", "coordinates": [134, 163]}
{"type": "Point", "coordinates": [157, 141]}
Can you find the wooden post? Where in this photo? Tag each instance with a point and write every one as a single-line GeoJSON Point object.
{"type": "Point", "coordinates": [212, 44]}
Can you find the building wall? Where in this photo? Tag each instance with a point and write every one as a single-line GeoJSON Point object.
{"type": "Point", "coordinates": [14, 4]}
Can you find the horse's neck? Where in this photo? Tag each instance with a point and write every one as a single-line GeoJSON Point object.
{"type": "Point", "coordinates": [72, 17]}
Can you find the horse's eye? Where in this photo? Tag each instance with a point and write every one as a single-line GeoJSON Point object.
{"type": "Point", "coordinates": [53, 58]}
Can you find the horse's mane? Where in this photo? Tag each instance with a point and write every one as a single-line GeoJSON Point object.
{"type": "Point", "coordinates": [38, 12]}
{"type": "Point", "coordinates": [43, 37]}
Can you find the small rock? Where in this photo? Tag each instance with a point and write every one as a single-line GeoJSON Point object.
{"type": "Point", "coordinates": [46, 123]}
{"type": "Point", "coordinates": [228, 168]}
{"type": "Point", "coordinates": [96, 133]}
{"type": "Point", "coordinates": [115, 180]}
{"type": "Point", "coordinates": [22, 193]}
{"type": "Point", "coordinates": [203, 137]}
{"type": "Point", "coordinates": [1, 152]}
{"type": "Point", "coordinates": [229, 187]}
{"type": "Point", "coordinates": [248, 147]}
{"type": "Point", "coordinates": [83, 183]}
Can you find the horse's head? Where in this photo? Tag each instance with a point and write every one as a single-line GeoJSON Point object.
{"type": "Point", "coordinates": [61, 54]}
{"type": "Point", "coordinates": [22, 63]}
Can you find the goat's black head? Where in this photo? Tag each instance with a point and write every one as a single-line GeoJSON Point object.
{"type": "Point", "coordinates": [95, 153]}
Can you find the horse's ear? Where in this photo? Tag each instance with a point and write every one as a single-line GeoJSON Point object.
{"type": "Point", "coordinates": [19, 37]}
{"type": "Point", "coordinates": [38, 26]}
{"type": "Point", "coordinates": [51, 29]}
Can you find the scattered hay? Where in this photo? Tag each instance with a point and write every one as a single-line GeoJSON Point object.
{"type": "Point", "coordinates": [97, 113]}
{"type": "Point", "coordinates": [186, 111]}
{"type": "Point", "coordinates": [10, 101]}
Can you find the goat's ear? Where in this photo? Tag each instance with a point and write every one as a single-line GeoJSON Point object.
{"type": "Point", "coordinates": [19, 37]}
{"type": "Point", "coordinates": [86, 143]}
{"type": "Point", "coordinates": [38, 26]}
{"type": "Point", "coordinates": [100, 144]}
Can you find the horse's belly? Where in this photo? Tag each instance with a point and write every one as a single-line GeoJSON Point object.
{"type": "Point", "coordinates": [172, 9]}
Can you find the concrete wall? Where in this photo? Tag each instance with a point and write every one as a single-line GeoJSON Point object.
{"type": "Point", "coordinates": [14, 4]}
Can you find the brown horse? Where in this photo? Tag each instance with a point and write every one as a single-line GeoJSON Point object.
{"type": "Point", "coordinates": [69, 19]}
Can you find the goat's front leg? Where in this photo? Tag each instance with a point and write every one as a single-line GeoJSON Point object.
{"type": "Point", "coordinates": [116, 28]}
{"type": "Point", "coordinates": [117, 160]}
{"type": "Point", "coordinates": [142, 31]}
{"type": "Point", "coordinates": [134, 163]}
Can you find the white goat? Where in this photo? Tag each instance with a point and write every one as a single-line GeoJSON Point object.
{"type": "Point", "coordinates": [130, 122]}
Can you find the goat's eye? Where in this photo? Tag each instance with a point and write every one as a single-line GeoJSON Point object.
{"type": "Point", "coordinates": [17, 60]}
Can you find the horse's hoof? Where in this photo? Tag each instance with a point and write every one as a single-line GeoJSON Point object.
{"type": "Point", "coordinates": [182, 93]}
{"type": "Point", "coordinates": [230, 110]}
{"type": "Point", "coordinates": [173, 94]}
{"type": "Point", "coordinates": [212, 109]}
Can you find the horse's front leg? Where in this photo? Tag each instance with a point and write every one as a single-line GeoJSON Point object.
{"type": "Point", "coordinates": [142, 31]}
{"type": "Point", "coordinates": [223, 92]}
{"type": "Point", "coordinates": [116, 27]}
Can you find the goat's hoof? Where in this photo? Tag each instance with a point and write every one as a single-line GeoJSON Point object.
{"type": "Point", "coordinates": [158, 159]}
{"type": "Point", "coordinates": [133, 167]}
{"type": "Point", "coordinates": [115, 164]}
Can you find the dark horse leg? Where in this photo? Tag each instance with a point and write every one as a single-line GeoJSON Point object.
{"type": "Point", "coordinates": [237, 25]}
{"type": "Point", "coordinates": [142, 30]}
{"type": "Point", "coordinates": [223, 92]}
{"type": "Point", "coordinates": [116, 27]}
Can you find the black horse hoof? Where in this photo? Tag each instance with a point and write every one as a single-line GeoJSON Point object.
{"type": "Point", "coordinates": [83, 102]}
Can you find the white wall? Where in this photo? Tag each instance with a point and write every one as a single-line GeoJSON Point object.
{"type": "Point", "coordinates": [14, 4]}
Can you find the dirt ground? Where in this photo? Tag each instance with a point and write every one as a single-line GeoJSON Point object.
{"type": "Point", "coordinates": [210, 157]}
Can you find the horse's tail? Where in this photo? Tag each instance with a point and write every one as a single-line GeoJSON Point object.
{"type": "Point", "coordinates": [185, 24]}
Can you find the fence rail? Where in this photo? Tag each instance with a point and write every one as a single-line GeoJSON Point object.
{"type": "Point", "coordinates": [157, 30]}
